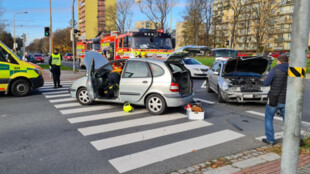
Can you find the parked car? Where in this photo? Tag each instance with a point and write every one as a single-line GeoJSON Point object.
{"type": "Point", "coordinates": [238, 79]}
{"type": "Point", "coordinates": [308, 56]}
{"type": "Point", "coordinates": [154, 83]}
{"type": "Point", "coordinates": [242, 55]}
{"type": "Point", "coordinates": [31, 58]}
{"type": "Point", "coordinates": [223, 53]}
{"type": "Point", "coordinates": [68, 56]}
{"type": "Point", "coordinates": [39, 58]}
{"type": "Point", "coordinates": [195, 67]}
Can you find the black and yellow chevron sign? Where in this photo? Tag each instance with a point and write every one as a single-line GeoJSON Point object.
{"type": "Point", "coordinates": [296, 72]}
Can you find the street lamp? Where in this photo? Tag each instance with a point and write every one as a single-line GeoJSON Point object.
{"type": "Point", "coordinates": [73, 37]}
{"type": "Point", "coordinates": [14, 45]}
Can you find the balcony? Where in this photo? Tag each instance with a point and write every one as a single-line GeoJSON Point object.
{"type": "Point", "coordinates": [279, 40]}
{"type": "Point", "coordinates": [100, 3]}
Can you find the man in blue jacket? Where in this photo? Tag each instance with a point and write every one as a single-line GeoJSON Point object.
{"type": "Point", "coordinates": [277, 80]}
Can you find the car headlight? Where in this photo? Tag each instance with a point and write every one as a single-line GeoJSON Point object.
{"type": "Point", "coordinates": [37, 70]}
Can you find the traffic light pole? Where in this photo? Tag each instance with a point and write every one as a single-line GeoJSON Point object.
{"type": "Point", "coordinates": [73, 37]}
{"type": "Point", "coordinates": [295, 87]}
{"type": "Point", "coordinates": [51, 30]}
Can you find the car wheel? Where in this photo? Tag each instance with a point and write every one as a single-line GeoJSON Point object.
{"type": "Point", "coordinates": [20, 88]}
{"type": "Point", "coordinates": [209, 90]}
{"type": "Point", "coordinates": [220, 98]}
{"type": "Point", "coordinates": [156, 104]}
{"type": "Point", "coordinates": [82, 97]}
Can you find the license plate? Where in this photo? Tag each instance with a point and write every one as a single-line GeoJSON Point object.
{"type": "Point", "coordinates": [248, 96]}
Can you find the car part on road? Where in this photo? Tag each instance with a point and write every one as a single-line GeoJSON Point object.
{"type": "Point", "coordinates": [20, 88]}
{"type": "Point", "coordinates": [156, 104]}
{"type": "Point", "coordinates": [220, 98]}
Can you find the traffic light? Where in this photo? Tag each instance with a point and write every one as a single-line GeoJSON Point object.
{"type": "Point", "coordinates": [76, 31]}
{"type": "Point", "coordinates": [227, 42]}
{"type": "Point", "coordinates": [46, 31]}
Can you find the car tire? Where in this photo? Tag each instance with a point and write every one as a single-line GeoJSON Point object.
{"type": "Point", "coordinates": [209, 90]}
{"type": "Point", "coordinates": [82, 97]}
{"type": "Point", "coordinates": [220, 98]}
{"type": "Point", "coordinates": [20, 88]}
{"type": "Point", "coordinates": [156, 104]}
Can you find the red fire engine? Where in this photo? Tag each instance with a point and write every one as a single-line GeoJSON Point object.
{"type": "Point", "coordinates": [88, 45]}
{"type": "Point", "coordinates": [147, 43]}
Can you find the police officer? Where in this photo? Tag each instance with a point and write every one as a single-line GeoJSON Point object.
{"type": "Point", "coordinates": [55, 63]}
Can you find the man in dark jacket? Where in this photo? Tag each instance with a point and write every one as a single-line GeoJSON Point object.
{"type": "Point", "coordinates": [55, 63]}
{"type": "Point", "coordinates": [277, 80]}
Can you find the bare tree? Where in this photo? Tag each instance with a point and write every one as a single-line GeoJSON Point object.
{"type": "Point", "coordinates": [247, 23]}
{"type": "Point", "coordinates": [237, 7]}
{"type": "Point", "coordinates": [3, 23]}
{"type": "Point", "coordinates": [120, 15]}
{"type": "Point", "coordinates": [207, 15]}
{"type": "Point", "coordinates": [156, 11]}
{"type": "Point", "coordinates": [264, 11]}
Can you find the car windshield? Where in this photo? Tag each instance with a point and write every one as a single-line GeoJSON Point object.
{"type": "Point", "coordinates": [151, 43]}
{"type": "Point", "coordinates": [191, 62]}
{"type": "Point", "coordinates": [225, 53]}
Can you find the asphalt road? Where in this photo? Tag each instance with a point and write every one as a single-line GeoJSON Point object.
{"type": "Point", "coordinates": [48, 132]}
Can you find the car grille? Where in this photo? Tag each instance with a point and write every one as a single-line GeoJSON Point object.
{"type": "Point", "coordinates": [204, 70]}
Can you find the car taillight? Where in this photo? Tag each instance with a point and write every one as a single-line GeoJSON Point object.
{"type": "Point", "coordinates": [174, 87]}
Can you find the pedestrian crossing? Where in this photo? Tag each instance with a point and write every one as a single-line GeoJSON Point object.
{"type": "Point", "coordinates": [107, 126]}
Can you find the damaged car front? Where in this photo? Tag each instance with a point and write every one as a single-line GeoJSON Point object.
{"type": "Point", "coordinates": [242, 79]}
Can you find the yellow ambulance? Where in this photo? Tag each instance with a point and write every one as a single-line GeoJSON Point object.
{"type": "Point", "coordinates": [16, 76]}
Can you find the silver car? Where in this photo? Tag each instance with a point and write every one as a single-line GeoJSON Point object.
{"type": "Point", "coordinates": [238, 79]}
{"type": "Point", "coordinates": [156, 84]}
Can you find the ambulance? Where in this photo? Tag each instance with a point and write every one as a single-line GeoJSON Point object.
{"type": "Point", "coordinates": [16, 76]}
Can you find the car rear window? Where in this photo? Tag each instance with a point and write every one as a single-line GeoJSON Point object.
{"type": "Point", "coordinates": [225, 53]}
{"type": "Point", "coordinates": [156, 70]}
{"type": "Point", "coordinates": [191, 62]}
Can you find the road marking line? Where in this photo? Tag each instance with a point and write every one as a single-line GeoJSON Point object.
{"type": "Point", "coordinates": [146, 135]}
{"type": "Point", "coordinates": [62, 100]}
{"type": "Point", "coordinates": [60, 82]}
{"type": "Point", "coordinates": [86, 109]}
{"type": "Point", "coordinates": [277, 135]}
{"type": "Point", "coordinates": [104, 116]}
{"type": "Point", "coordinates": [53, 89]}
{"type": "Point", "coordinates": [55, 96]}
{"type": "Point", "coordinates": [202, 100]}
{"type": "Point", "coordinates": [305, 123]}
{"type": "Point", "coordinates": [204, 85]}
{"type": "Point", "coordinates": [65, 105]}
{"type": "Point", "coordinates": [263, 115]}
{"type": "Point", "coordinates": [54, 92]}
{"type": "Point", "coordinates": [158, 154]}
{"type": "Point", "coordinates": [128, 124]}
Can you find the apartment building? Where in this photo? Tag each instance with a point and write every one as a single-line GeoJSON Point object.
{"type": "Point", "coordinates": [279, 37]}
{"type": "Point", "coordinates": [92, 17]}
{"type": "Point", "coordinates": [147, 25]}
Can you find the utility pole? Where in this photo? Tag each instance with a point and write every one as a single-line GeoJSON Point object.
{"type": "Point", "coordinates": [51, 29]}
{"type": "Point", "coordinates": [73, 37]}
{"type": "Point", "coordinates": [14, 44]}
{"type": "Point", "coordinates": [295, 87]}
{"type": "Point", "coordinates": [171, 17]}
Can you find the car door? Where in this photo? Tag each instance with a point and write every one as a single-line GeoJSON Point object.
{"type": "Point", "coordinates": [91, 81]}
{"type": "Point", "coordinates": [135, 81]}
{"type": "Point", "coordinates": [213, 75]}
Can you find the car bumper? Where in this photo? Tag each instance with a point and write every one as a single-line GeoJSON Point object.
{"type": "Point", "coordinates": [242, 97]}
{"type": "Point", "coordinates": [176, 100]}
{"type": "Point", "coordinates": [72, 92]}
{"type": "Point", "coordinates": [37, 82]}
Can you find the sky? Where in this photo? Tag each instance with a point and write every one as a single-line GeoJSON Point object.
{"type": "Point", "coordinates": [33, 23]}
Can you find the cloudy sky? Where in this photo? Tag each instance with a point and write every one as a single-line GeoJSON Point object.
{"type": "Point", "coordinates": [33, 23]}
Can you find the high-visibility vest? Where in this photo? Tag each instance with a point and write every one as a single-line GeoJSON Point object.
{"type": "Point", "coordinates": [56, 59]}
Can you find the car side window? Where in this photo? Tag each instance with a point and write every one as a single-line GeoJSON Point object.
{"type": "Point", "coordinates": [136, 69]}
{"type": "Point", "coordinates": [156, 70]}
{"type": "Point", "coordinates": [215, 66]}
{"type": "Point", "coordinates": [6, 57]}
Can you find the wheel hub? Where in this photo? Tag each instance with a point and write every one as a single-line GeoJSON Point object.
{"type": "Point", "coordinates": [21, 88]}
{"type": "Point", "coordinates": [83, 96]}
{"type": "Point", "coordinates": [155, 104]}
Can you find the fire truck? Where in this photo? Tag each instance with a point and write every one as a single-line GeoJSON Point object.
{"type": "Point", "coordinates": [151, 43]}
{"type": "Point", "coordinates": [87, 45]}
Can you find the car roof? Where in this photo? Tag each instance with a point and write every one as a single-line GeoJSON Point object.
{"type": "Point", "coordinates": [219, 49]}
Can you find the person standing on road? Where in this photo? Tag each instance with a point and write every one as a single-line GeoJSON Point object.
{"type": "Point", "coordinates": [55, 63]}
{"type": "Point", "coordinates": [277, 80]}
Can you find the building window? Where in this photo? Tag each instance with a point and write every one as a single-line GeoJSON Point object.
{"type": "Point", "coordinates": [289, 35]}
